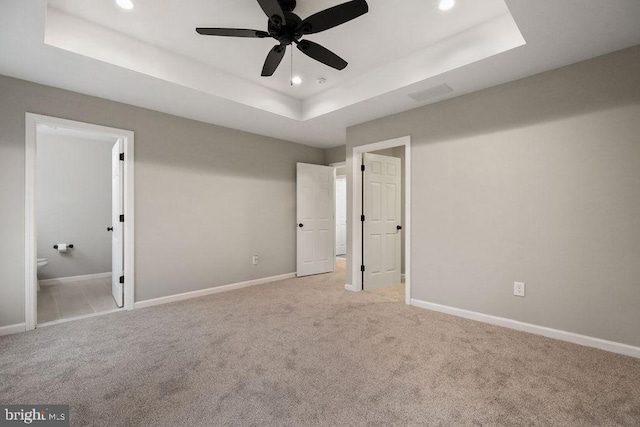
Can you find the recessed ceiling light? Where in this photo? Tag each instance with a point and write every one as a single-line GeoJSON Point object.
{"type": "Point", "coordinates": [446, 4]}
{"type": "Point", "coordinates": [296, 80]}
{"type": "Point", "coordinates": [125, 4]}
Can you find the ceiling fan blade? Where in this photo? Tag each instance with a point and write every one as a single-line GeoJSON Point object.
{"type": "Point", "coordinates": [232, 32]}
{"type": "Point", "coordinates": [322, 54]}
{"type": "Point", "coordinates": [334, 16]}
{"type": "Point", "coordinates": [273, 60]}
{"type": "Point", "coordinates": [273, 10]}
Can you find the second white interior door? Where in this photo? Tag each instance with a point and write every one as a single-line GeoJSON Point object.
{"type": "Point", "coordinates": [383, 222]}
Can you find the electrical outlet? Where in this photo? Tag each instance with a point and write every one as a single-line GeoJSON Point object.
{"type": "Point", "coordinates": [256, 260]}
{"type": "Point", "coordinates": [518, 289]}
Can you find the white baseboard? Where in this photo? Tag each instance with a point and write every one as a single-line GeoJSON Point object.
{"type": "Point", "coordinates": [63, 280]}
{"type": "Point", "coordinates": [209, 291]}
{"type": "Point", "coordinates": [349, 287]}
{"type": "Point", "coordinates": [612, 346]}
{"type": "Point", "coordinates": [12, 329]}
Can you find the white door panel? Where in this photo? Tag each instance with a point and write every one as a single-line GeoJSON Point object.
{"type": "Point", "coordinates": [316, 222]}
{"type": "Point", "coordinates": [117, 236]}
{"type": "Point", "coordinates": [341, 216]}
{"type": "Point", "coordinates": [382, 210]}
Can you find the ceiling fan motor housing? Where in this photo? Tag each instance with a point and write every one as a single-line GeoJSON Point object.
{"type": "Point", "coordinates": [287, 5]}
{"type": "Point", "coordinates": [288, 33]}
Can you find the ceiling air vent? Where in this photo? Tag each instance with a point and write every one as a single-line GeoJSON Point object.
{"type": "Point", "coordinates": [432, 92]}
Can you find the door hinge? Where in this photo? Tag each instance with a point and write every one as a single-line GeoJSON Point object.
{"type": "Point", "coordinates": [121, 279]}
{"type": "Point", "coordinates": [122, 156]}
{"type": "Point", "coordinates": [362, 168]}
{"type": "Point", "coordinates": [362, 268]}
{"type": "Point", "coordinates": [121, 218]}
{"type": "Point", "coordinates": [362, 218]}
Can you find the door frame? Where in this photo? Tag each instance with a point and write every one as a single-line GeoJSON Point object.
{"type": "Point", "coordinates": [31, 132]}
{"type": "Point", "coordinates": [355, 255]}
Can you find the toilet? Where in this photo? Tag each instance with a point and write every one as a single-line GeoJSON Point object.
{"type": "Point", "coordinates": [42, 263]}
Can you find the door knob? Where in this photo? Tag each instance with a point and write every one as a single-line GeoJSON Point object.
{"type": "Point", "coordinates": [109, 228]}
{"type": "Point", "coordinates": [301, 225]}
{"type": "Point", "coordinates": [398, 227]}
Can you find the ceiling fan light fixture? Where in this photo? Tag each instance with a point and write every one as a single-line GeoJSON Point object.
{"type": "Point", "coordinates": [446, 4]}
{"type": "Point", "coordinates": [125, 4]}
{"type": "Point", "coordinates": [287, 29]}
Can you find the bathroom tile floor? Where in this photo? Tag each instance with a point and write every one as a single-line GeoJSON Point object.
{"type": "Point", "coordinates": [63, 301]}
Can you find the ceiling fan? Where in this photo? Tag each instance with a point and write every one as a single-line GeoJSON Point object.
{"type": "Point", "coordinates": [287, 28]}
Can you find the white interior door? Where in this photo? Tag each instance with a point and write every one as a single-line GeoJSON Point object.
{"type": "Point", "coordinates": [341, 216]}
{"type": "Point", "coordinates": [382, 211]}
{"type": "Point", "coordinates": [117, 248]}
{"type": "Point", "coordinates": [316, 222]}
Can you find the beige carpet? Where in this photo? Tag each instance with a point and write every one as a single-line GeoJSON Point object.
{"type": "Point", "coordinates": [306, 352]}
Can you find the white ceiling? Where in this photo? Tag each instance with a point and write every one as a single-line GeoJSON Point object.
{"type": "Point", "coordinates": [366, 43]}
{"type": "Point", "coordinates": [152, 57]}
{"type": "Point", "coordinates": [132, 40]}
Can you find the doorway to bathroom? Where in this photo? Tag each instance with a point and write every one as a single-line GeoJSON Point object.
{"type": "Point", "coordinates": [341, 209]}
{"type": "Point", "coordinates": [79, 224]}
{"type": "Point", "coordinates": [341, 214]}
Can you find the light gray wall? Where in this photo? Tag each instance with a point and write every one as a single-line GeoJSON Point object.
{"type": "Point", "coordinates": [335, 155]}
{"type": "Point", "coordinates": [73, 204]}
{"type": "Point", "coordinates": [207, 197]}
{"type": "Point", "coordinates": [536, 180]}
